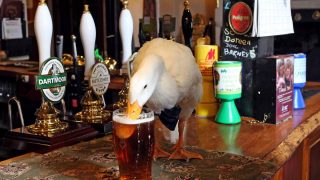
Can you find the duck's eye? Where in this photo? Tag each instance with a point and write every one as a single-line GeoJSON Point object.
{"type": "Point", "coordinates": [145, 86]}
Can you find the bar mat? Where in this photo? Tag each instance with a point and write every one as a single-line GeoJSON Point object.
{"type": "Point", "coordinates": [96, 160]}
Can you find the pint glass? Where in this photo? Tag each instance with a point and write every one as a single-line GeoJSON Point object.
{"type": "Point", "coordinates": [133, 144]}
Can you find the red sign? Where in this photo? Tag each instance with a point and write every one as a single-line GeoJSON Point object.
{"type": "Point", "coordinates": [210, 55]}
{"type": "Point", "coordinates": [240, 18]}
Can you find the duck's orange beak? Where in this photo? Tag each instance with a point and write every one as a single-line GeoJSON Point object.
{"type": "Point", "coordinates": [133, 110]}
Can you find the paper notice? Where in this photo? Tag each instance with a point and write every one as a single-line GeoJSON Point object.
{"type": "Point", "coordinates": [11, 28]}
{"type": "Point", "coordinates": [271, 18]}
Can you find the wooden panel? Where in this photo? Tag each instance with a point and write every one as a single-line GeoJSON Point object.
{"type": "Point", "coordinates": [315, 162]}
{"type": "Point", "coordinates": [312, 156]}
{"type": "Point", "coordinates": [278, 175]}
{"type": "Point", "coordinates": [306, 160]}
{"type": "Point", "coordinates": [292, 170]}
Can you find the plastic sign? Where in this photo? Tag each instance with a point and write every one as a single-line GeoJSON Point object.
{"type": "Point", "coordinates": [52, 80]}
{"type": "Point", "coordinates": [100, 78]}
{"type": "Point", "coordinates": [240, 18]}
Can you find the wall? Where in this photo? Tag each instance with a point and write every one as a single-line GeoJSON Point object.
{"type": "Point", "coordinates": [175, 8]}
{"type": "Point", "coordinates": [305, 4]}
{"type": "Point", "coordinates": [136, 9]}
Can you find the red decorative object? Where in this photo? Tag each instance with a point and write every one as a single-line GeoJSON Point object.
{"type": "Point", "coordinates": [240, 18]}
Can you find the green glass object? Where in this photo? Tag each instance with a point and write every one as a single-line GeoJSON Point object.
{"type": "Point", "coordinates": [97, 55]}
{"type": "Point", "coordinates": [228, 87]}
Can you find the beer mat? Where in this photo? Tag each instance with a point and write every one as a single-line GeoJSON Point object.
{"type": "Point", "coordinates": [95, 159]}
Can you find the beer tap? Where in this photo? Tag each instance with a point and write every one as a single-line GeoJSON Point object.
{"type": "Point", "coordinates": [43, 31]}
{"type": "Point", "coordinates": [47, 121]}
{"type": "Point", "coordinates": [92, 104]}
{"type": "Point", "coordinates": [59, 46]}
{"type": "Point", "coordinates": [88, 38]}
{"type": "Point", "coordinates": [73, 95]}
{"type": "Point", "coordinates": [126, 32]}
{"type": "Point", "coordinates": [59, 49]}
{"type": "Point", "coordinates": [75, 53]}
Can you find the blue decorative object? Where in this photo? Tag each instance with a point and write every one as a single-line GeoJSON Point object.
{"type": "Point", "coordinates": [299, 80]}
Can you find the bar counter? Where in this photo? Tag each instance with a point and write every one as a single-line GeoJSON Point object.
{"type": "Point", "coordinates": [293, 146]}
{"type": "Point", "coordinates": [289, 150]}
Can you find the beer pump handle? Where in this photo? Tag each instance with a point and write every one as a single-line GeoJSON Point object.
{"type": "Point", "coordinates": [43, 31]}
{"type": "Point", "coordinates": [126, 31]}
{"type": "Point", "coordinates": [74, 51]}
{"type": "Point", "coordinates": [74, 80]}
{"type": "Point", "coordinates": [59, 46]}
{"type": "Point", "coordinates": [88, 38]}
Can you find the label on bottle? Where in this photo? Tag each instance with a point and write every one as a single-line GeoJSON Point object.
{"type": "Point", "coordinates": [205, 56]}
{"type": "Point", "coordinates": [52, 80]}
{"type": "Point", "coordinates": [228, 78]}
{"type": "Point", "coordinates": [74, 103]}
{"type": "Point", "coordinates": [100, 78]}
{"type": "Point", "coordinates": [300, 66]}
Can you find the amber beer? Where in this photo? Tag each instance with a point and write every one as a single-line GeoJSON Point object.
{"type": "Point", "coordinates": [134, 143]}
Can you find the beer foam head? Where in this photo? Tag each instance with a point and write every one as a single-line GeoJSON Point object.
{"type": "Point", "coordinates": [125, 120]}
{"type": "Point", "coordinates": [119, 116]}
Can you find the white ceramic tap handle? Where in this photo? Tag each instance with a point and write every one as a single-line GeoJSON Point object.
{"type": "Point", "coordinates": [43, 31]}
{"type": "Point", "coordinates": [126, 33]}
{"type": "Point", "coordinates": [88, 38]}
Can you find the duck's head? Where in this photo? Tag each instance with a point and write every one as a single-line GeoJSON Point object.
{"type": "Point", "coordinates": [143, 83]}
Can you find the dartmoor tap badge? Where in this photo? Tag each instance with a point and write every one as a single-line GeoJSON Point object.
{"type": "Point", "coordinates": [52, 80]}
{"type": "Point", "coordinates": [100, 78]}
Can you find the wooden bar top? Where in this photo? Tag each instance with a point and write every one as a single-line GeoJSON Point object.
{"type": "Point", "coordinates": [14, 68]}
{"type": "Point", "coordinates": [271, 142]}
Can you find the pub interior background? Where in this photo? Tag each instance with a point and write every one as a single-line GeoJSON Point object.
{"type": "Point", "coordinates": [66, 19]}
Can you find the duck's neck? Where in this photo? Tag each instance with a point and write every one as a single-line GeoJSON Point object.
{"type": "Point", "coordinates": [152, 64]}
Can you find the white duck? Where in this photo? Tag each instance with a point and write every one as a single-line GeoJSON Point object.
{"type": "Point", "coordinates": [166, 76]}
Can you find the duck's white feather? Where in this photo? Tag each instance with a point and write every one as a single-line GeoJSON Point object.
{"type": "Point", "coordinates": [171, 73]}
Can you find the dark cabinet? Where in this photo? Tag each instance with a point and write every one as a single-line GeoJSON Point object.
{"type": "Point", "coordinates": [66, 16]}
{"type": "Point", "coordinates": [306, 39]}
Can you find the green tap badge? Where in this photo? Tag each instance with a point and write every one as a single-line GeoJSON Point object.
{"type": "Point", "coordinates": [52, 80]}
